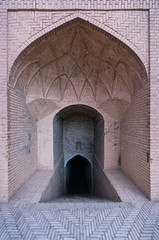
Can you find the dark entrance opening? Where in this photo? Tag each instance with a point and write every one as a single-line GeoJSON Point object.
{"type": "Point", "coordinates": [78, 176]}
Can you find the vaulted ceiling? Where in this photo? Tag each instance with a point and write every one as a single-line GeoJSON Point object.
{"type": "Point", "coordinates": [81, 64]}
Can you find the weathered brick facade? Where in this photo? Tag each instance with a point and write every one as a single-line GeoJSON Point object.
{"type": "Point", "coordinates": [100, 54]}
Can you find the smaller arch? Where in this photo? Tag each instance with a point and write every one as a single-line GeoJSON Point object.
{"type": "Point", "coordinates": [81, 155]}
{"type": "Point", "coordinates": [78, 175]}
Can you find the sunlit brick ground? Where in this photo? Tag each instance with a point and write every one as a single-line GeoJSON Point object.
{"type": "Point", "coordinates": [80, 218]}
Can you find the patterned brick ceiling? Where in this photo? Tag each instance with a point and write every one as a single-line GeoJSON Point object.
{"type": "Point", "coordinates": [80, 63]}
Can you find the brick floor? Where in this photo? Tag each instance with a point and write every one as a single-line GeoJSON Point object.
{"type": "Point", "coordinates": [80, 217]}
{"type": "Point", "coordinates": [32, 189]}
{"type": "Point", "coordinates": [126, 189]}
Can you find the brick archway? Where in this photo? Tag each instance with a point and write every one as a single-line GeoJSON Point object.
{"type": "Point", "coordinates": [93, 68]}
{"type": "Point", "coordinates": [87, 20]}
{"type": "Point", "coordinates": [78, 176]}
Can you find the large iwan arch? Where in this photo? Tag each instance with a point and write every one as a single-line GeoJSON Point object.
{"type": "Point", "coordinates": [79, 64]}
{"type": "Point", "coordinates": [71, 17]}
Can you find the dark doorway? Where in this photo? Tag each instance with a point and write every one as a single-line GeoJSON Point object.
{"type": "Point", "coordinates": [78, 176]}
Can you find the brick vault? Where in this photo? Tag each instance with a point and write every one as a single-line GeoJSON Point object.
{"type": "Point", "coordinates": [78, 91]}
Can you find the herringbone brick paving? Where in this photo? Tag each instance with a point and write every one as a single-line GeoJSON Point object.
{"type": "Point", "coordinates": [83, 218]}
{"type": "Point", "coordinates": [80, 217]}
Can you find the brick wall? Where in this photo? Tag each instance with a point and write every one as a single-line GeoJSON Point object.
{"type": "Point", "coordinates": [154, 110]}
{"type": "Point", "coordinates": [99, 144]}
{"type": "Point", "coordinates": [3, 108]}
{"type": "Point", "coordinates": [45, 143]}
{"type": "Point", "coordinates": [111, 142]}
{"type": "Point", "coordinates": [78, 137]}
{"type": "Point", "coordinates": [22, 141]}
{"type": "Point", "coordinates": [57, 139]}
{"type": "Point", "coordinates": [135, 140]}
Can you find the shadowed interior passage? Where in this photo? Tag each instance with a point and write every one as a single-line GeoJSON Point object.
{"type": "Point", "coordinates": [78, 176]}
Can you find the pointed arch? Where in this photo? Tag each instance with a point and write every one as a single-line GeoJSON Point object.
{"type": "Point", "coordinates": [78, 175]}
{"type": "Point", "coordinates": [52, 29]}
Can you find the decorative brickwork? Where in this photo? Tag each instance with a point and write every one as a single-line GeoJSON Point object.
{"type": "Point", "coordinates": [80, 4]}
{"type": "Point", "coordinates": [131, 27]}
{"type": "Point", "coordinates": [154, 111]}
{"type": "Point", "coordinates": [3, 108]}
{"type": "Point", "coordinates": [88, 62]}
{"type": "Point", "coordinates": [103, 54]}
